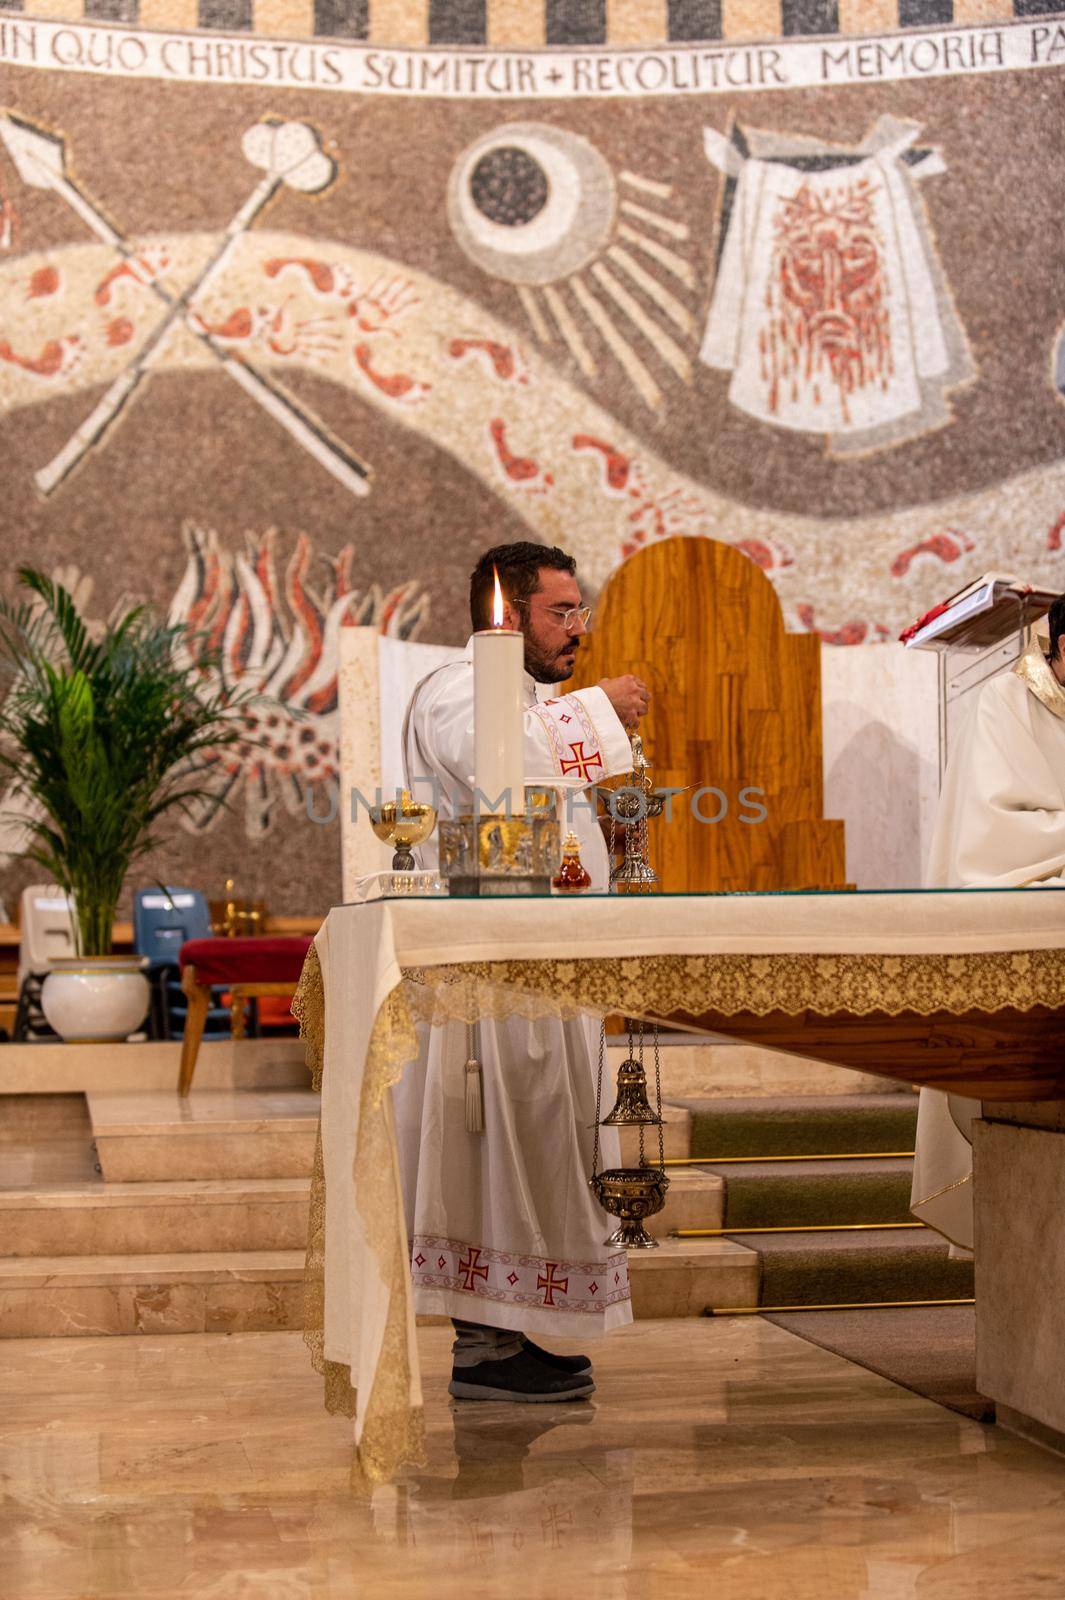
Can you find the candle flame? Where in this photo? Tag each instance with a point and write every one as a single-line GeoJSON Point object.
{"type": "Point", "coordinates": [497, 601]}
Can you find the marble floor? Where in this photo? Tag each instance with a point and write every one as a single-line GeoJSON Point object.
{"type": "Point", "coordinates": [720, 1458]}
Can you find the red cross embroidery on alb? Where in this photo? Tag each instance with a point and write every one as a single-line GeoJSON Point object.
{"type": "Point", "coordinates": [582, 762]}
{"type": "Point", "coordinates": [470, 1270]}
{"type": "Point", "coordinates": [549, 1283]}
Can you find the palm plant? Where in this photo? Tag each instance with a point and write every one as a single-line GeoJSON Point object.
{"type": "Point", "coordinates": [100, 738]}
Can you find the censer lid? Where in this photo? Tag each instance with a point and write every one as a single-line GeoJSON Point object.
{"type": "Point", "coordinates": [632, 1108]}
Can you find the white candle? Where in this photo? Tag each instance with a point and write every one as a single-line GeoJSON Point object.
{"type": "Point", "coordinates": [499, 715]}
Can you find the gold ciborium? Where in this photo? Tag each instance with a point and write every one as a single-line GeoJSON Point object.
{"type": "Point", "coordinates": [403, 823]}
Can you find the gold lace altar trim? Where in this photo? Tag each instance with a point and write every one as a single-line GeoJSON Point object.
{"type": "Point", "coordinates": [308, 1007]}
{"type": "Point", "coordinates": [393, 1431]}
{"type": "Point", "coordinates": [339, 1395]}
{"type": "Point", "coordinates": [647, 986]}
{"type": "Point", "coordinates": [726, 985]}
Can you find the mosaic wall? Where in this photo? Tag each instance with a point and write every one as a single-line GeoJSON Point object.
{"type": "Point", "coordinates": [303, 302]}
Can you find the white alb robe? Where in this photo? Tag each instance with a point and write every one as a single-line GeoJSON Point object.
{"type": "Point", "coordinates": [503, 1227]}
{"type": "Point", "coordinates": [1000, 825]}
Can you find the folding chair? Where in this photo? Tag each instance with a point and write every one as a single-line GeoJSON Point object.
{"type": "Point", "coordinates": [164, 920]}
{"type": "Point", "coordinates": [46, 935]}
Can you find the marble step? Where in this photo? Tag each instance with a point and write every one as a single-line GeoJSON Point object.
{"type": "Point", "coordinates": [204, 1292]}
{"type": "Point", "coordinates": [807, 1125]}
{"type": "Point", "coordinates": [761, 1194]}
{"type": "Point", "coordinates": [52, 1067]}
{"type": "Point", "coordinates": [717, 1066]}
{"type": "Point", "coordinates": [34, 1118]}
{"type": "Point", "coordinates": [856, 1268]}
{"type": "Point", "coordinates": [685, 1277]}
{"type": "Point", "coordinates": [210, 1135]}
{"type": "Point", "coordinates": [676, 1134]}
{"type": "Point", "coordinates": [239, 1214]}
{"type": "Point", "coordinates": [251, 1134]}
{"type": "Point", "coordinates": [689, 1067]}
{"type": "Point", "coordinates": [256, 1290]}
{"type": "Point", "coordinates": [147, 1218]}
{"type": "Point", "coordinates": [694, 1199]}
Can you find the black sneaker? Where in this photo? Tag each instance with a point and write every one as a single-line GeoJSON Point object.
{"type": "Point", "coordinates": [556, 1362]}
{"type": "Point", "coordinates": [521, 1377]}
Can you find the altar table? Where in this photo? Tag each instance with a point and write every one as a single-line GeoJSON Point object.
{"type": "Point", "coordinates": [962, 990]}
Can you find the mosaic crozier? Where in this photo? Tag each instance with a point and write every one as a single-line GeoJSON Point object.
{"type": "Point", "coordinates": [830, 309]}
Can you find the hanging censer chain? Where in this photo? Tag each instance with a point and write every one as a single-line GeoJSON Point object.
{"type": "Point", "coordinates": [639, 1029]}
{"type": "Point", "coordinates": [658, 1100]}
{"type": "Point", "coordinates": [630, 1193]}
{"type": "Point", "coordinates": [641, 777]}
{"type": "Point", "coordinates": [598, 1104]}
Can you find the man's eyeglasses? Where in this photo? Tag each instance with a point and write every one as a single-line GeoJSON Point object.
{"type": "Point", "coordinates": [569, 619]}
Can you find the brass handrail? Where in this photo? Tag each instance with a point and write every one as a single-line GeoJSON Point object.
{"type": "Point", "coordinates": [721, 1161]}
{"type": "Point", "coordinates": [850, 1305]}
{"type": "Point", "coordinates": [794, 1227]}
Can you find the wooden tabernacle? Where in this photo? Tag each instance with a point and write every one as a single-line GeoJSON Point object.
{"type": "Point", "coordinates": [736, 708]}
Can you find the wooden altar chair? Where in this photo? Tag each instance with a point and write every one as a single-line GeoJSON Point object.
{"type": "Point", "coordinates": [736, 708]}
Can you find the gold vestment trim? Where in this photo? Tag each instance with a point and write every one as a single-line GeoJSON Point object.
{"type": "Point", "coordinates": [1035, 672]}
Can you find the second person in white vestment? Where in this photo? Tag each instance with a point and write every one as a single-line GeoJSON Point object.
{"type": "Point", "coordinates": [1000, 825]}
{"type": "Point", "coordinates": [506, 1237]}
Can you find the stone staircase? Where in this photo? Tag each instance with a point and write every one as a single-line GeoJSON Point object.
{"type": "Point", "coordinates": [193, 1218]}
{"type": "Point", "coordinates": [829, 1217]}
{"type": "Point", "coordinates": [147, 1214]}
{"type": "Point", "coordinates": [197, 1218]}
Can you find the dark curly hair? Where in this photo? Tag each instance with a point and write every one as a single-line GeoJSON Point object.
{"type": "Point", "coordinates": [519, 566]}
{"type": "Point", "coordinates": [1056, 623]}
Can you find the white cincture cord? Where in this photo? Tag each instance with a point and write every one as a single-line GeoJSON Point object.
{"type": "Point", "coordinates": [474, 1081]}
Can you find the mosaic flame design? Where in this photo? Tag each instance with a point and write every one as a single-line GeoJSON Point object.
{"type": "Point", "coordinates": [278, 636]}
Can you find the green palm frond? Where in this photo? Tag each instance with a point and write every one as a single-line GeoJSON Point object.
{"type": "Point", "coordinates": [103, 737]}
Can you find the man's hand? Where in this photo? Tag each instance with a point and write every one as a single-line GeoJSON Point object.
{"type": "Point", "coordinates": [629, 696]}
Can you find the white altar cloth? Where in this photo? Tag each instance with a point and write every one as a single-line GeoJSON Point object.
{"type": "Point", "coordinates": [388, 963]}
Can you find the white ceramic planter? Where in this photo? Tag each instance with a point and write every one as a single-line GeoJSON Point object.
{"type": "Point", "coordinates": [96, 998]}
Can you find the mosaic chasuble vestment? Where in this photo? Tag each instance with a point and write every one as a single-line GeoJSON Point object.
{"type": "Point", "coordinates": [1000, 825]}
{"type": "Point", "coordinates": [502, 1226]}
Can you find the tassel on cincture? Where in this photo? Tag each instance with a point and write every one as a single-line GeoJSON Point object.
{"type": "Point", "coordinates": [474, 1083]}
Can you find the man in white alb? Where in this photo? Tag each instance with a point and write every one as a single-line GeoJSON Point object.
{"type": "Point", "coordinates": [1000, 825]}
{"type": "Point", "coordinates": [506, 1237]}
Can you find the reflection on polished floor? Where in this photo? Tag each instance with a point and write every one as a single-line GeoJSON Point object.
{"type": "Point", "coordinates": [723, 1458]}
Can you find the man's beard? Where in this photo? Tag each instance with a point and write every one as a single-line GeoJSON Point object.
{"type": "Point", "coordinates": [548, 669]}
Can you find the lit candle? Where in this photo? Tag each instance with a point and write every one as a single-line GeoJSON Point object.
{"type": "Point", "coordinates": [498, 712]}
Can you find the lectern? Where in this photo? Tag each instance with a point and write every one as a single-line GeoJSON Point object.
{"type": "Point", "coordinates": [976, 633]}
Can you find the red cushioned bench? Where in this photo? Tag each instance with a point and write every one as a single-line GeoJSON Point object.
{"type": "Point", "coordinates": [248, 968]}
